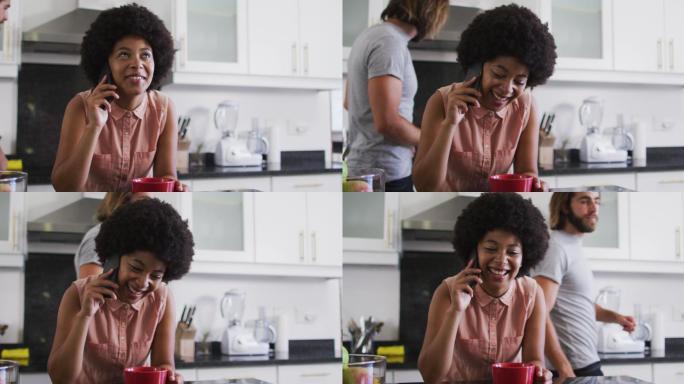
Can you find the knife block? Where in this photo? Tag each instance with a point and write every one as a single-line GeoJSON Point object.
{"type": "Point", "coordinates": [546, 143]}
{"type": "Point", "coordinates": [185, 341]}
{"type": "Point", "coordinates": [183, 154]}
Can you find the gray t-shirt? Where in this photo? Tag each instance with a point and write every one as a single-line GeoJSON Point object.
{"type": "Point", "coordinates": [574, 314]}
{"type": "Point", "coordinates": [379, 51]}
{"type": "Point", "coordinates": [86, 250]}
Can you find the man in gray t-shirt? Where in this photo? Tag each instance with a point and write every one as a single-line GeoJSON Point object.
{"type": "Point", "coordinates": [566, 279]}
{"type": "Point", "coordinates": [381, 84]}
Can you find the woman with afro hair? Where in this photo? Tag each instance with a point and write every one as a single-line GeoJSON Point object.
{"type": "Point", "coordinates": [491, 311]}
{"type": "Point", "coordinates": [117, 319]}
{"type": "Point", "coordinates": [487, 123]}
{"type": "Point", "coordinates": [123, 128]}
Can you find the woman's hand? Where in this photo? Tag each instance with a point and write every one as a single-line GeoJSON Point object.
{"type": "Point", "coordinates": [180, 187]}
{"type": "Point", "coordinates": [174, 377]}
{"type": "Point", "coordinates": [539, 185]}
{"type": "Point", "coordinates": [97, 107]}
{"type": "Point", "coordinates": [97, 289]}
{"type": "Point", "coordinates": [459, 98]}
{"type": "Point", "coordinates": [460, 291]}
{"type": "Point", "coordinates": [542, 375]}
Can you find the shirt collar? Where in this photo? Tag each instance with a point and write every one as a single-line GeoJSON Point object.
{"type": "Point", "coordinates": [139, 111]}
{"type": "Point", "coordinates": [480, 112]}
{"type": "Point", "coordinates": [115, 304]}
{"type": "Point", "coordinates": [484, 299]}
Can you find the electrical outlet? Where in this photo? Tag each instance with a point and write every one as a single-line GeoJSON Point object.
{"type": "Point", "coordinates": [677, 313]}
{"type": "Point", "coordinates": [305, 316]}
{"type": "Point", "coordinates": [297, 128]}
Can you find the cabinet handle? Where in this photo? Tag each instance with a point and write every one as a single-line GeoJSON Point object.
{"type": "Point", "coordinates": [13, 230]}
{"type": "Point", "coordinates": [680, 181]}
{"type": "Point", "coordinates": [314, 374]}
{"type": "Point", "coordinates": [301, 245]}
{"type": "Point", "coordinates": [678, 243]}
{"type": "Point", "coordinates": [672, 54]}
{"type": "Point", "coordinates": [294, 58]}
{"type": "Point", "coordinates": [313, 246]}
{"type": "Point", "coordinates": [660, 53]}
{"type": "Point", "coordinates": [390, 224]}
{"type": "Point", "coordinates": [316, 185]}
{"type": "Point", "coordinates": [306, 59]}
{"type": "Point", "coordinates": [184, 48]}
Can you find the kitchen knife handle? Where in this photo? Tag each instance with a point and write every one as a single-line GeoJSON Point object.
{"type": "Point", "coordinates": [660, 53]}
{"type": "Point", "coordinates": [671, 54]}
{"type": "Point", "coordinates": [313, 246]}
{"type": "Point", "coordinates": [301, 245]}
{"type": "Point", "coordinates": [294, 58]}
{"type": "Point", "coordinates": [678, 242]}
{"type": "Point", "coordinates": [306, 59]}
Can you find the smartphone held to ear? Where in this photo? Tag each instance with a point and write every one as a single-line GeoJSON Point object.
{"type": "Point", "coordinates": [475, 70]}
{"type": "Point", "coordinates": [475, 265]}
{"type": "Point", "coordinates": [107, 73]}
{"type": "Point", "coordinates": [112, 263]}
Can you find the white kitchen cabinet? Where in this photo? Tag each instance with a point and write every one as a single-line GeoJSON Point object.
{"type": "Point", "coordinates": [657, 48]}
{"type": "Point", "coordinates": [299, 38]}
{"type": "Point", "coordinates": [10, 43]}
{"type": "Point", "coordinates": [656, 225]}
{"type": "Point", "coordinates": [640, 371]}
{"type": "Point", "coordinates": [583, 32]}
{"type": "Point", "coordinates": [669, 373]}
{"type": "Point", "coordinates": [357, 16]}
{"type": "Point", "coordinates": [12, 223]}
{"type": "Point", "coordinates": [308, 183]}
{"type": "Point", "coordinates": [310, 374]}
{"type": "Point", "coordinates": [298, 228]}
{"type": "Point", "coordinates": [212, 36]}
{"type": "Point", "coordinates": [660, 181]}
{"type": "Point", "coordinates": [222, 225]}
{"type": "Point", "coordinates": [262, 184]}
{"type": "Point", "coordinates": [34, 378]}
{"type": "Point", "coordinates": [371, 228]}
{"type": "Point", "coordinates": [268, 374]}
{"type": "Point", "coordinates": [625, 180]}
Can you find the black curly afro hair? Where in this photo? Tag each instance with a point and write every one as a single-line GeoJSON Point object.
{"type": "Point", "coordinates": [148, 225]}
{"type": "Point", "coordinates": [510, 30]}
{"type": "Point", "coordinates": [116, 23]}
{"type": "Point", "coordinates": [503, 211]}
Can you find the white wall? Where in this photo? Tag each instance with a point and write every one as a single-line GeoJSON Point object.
{"type": "Point", "coordinates": [301, 118]}
{"type": "Point", "coordinates": [291, 297]}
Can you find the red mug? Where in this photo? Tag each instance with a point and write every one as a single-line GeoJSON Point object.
{"type": "Point", "coordinates": [510, 183]}
{"type": "Point", "coordinates": [512, 373]}
{"type": "Point", "coordinates": [153, 184]}
{"type": "Point", "coordinates": [145, 375]}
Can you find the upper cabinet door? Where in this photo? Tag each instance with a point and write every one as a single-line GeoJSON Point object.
{"type": "Point", "coordinates": [320, 27]}
{"type": "Point", "coordinates": [10, 40]}
{"type": "Point", "coordinates": [281, 228]}
{"type": "Point", "coordinates": [674, 35]}
{"type": "Point", "coordinates": [656, 226]}
{"type": "Point", "coordinates": [212, 35]}
{"type": "Point", "coordinates": [274, 37]}
{"type": "Point", "coordinates": [638, 47]}
{"type": "Point", "coordinates": [222, 225]}
{"type": "Point", "coordinates": [583, 32]}
{"type": "Point", "coordinates": [324, 221]}
{"type": "Point", "coordinates": [12, 227]}
{"type": "Point", "coordinates": [370, 221]}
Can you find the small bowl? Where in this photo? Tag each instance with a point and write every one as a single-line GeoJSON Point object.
{"type": "Point", "coordinates": [512, 373]}
{"type": "Point", "coordinates": [364, 180]}
{"type": "Point", "coordinates": [510, 183]}
{"type": "Point", "coordinates": [152, 184]}
{"type": "Point", "coordinates": [145, 375]}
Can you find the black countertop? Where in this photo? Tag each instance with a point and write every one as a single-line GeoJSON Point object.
{"type": "Point", "coordinates": [578, 380]}
{"type": "Point", "coordinates": [657, 160]}
{"type": "Point", "coordinates": [243, 361]}
{"type": "Point", "coordinates": [41, 175]}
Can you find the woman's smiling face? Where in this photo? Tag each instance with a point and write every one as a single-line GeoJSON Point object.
{"type": "Point", "coordinates": [503, 80]}
{"type": "Point", "coordinates": [500, 257]}
{"type": "Point", "coordinates": [140, 273]}
{"type": "Point", "coordinates": [132, 65]}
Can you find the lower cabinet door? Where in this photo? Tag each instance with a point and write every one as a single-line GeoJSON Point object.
{"type": "Point", "coordinates": [310, 374]}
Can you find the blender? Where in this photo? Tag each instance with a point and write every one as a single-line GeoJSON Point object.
{"type": "Point", "coordinates": [595, 148]}
{"type": "Point", "coordinates": [236, 339]}
{"type": "Point", "coordinates": [230, 151]}
{"type": "Point", "coordinates": [611, 337]}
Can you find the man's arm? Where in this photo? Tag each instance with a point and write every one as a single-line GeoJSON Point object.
{"type": "Point", "coordinates": [552, 347]}
{"type": "Point", "coordinates": [384, 96]}
{"type": "Point", "coordinates": [607, 316]}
